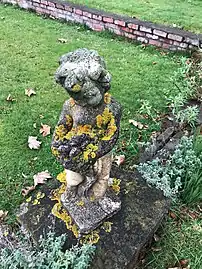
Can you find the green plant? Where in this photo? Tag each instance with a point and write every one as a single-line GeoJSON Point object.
{"type": "Point", "coordinates": [188, 115]}
{"type": "Point", "coordinates": [48, 255]}
{"type": "Point", "coordinates": [180, 176]}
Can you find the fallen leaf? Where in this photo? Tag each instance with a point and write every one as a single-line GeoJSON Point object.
{"type": "Point", "coordinates": [137, 124]}
{"type": "Point", "coordinates": [119, 159]}
{"type": "Point", "coordinates": [10, 98]}
{"type": "Point", "coordinates": [27, 190]}
{"type": "Point", "coordinates": [62, 40]}
{"type": "Point", "coordinates": [33, 143]}
{"type": "Point", "coordinates": [41, 177]}
{"type": "Point", "coordinates": [184, 262]}
{"type": "Point", "coordinates": [41, 116]}
{"type": "Point", "coordinates": [34, 125]}
{"type": "Point", "coordinates": [45, 129]}
{"type": "Point", "coordinates": [172, 215]}
{"type": "Point", "coordinates": [29, 92]}
{"type": "Point", "coordinates": [3, 214]}
{"type": "Point", "coordinates": [154, 62]}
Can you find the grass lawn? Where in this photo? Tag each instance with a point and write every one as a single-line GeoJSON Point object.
{"type": "Point", "coordinates": [183, 13]}
{"type": "Point", "coordinates": [29, 50]}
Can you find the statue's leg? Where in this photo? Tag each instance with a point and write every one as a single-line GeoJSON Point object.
{"type": "Point", "coordinates": [102, 170]}
{"type": "Point", "coordinates": [73, 179]}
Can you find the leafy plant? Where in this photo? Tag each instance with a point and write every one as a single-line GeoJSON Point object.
{"type": "Point", "coordinates": [48, 255]}
{"type": "Point", "coordinates": [181, 174]}
{"type": "Point", "coordinates": [188, 115]}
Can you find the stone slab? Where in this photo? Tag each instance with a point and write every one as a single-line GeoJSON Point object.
{"type": "Point", "coordinates": [142, 211]}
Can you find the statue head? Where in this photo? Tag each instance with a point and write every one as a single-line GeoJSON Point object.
{"type": "Point", "coordinates": [84, 76]}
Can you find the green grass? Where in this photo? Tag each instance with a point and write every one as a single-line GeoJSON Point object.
{"type": "Point", "coordinates": [179, 239]}
{"type": "Point", "coordinates": [183, 13]}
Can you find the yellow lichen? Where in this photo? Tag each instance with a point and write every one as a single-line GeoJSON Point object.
{"type": "Point", "coordinates": [55, 152]}
{"type": "Point", "coordinates": [107, 125]}
{"type": "Point", "coordinates": [60, 132]}
{"type": "Point", "coordinates": [62, 177]}
{"type": "Point", "coordinates": [90, 151]}
{"type": "Point", "coordinates": [80, 203]}
{"type": "Point", "coordinates": [36, 202]}
{"type": "Point", "coordinates": [107, 226]}
{"type": "Point", "coordinates": [29, 199]}
{"type": "Point", "coordinates": [69, 122]}
{"type": "Point", "coordinates": [40, 195]}
{"type": "Point", "coordinates": [76, 88]}
{"type": "Point", "coordinates": [107, 98]}
{"type": "Point", "coordinates": [91, 238]}
{"type": "Point", "coordinates": [116, 185]}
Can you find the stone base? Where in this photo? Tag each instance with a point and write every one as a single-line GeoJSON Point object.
{"type": "Point", "coordinates": [142, 211]}
{"type": "Point", "coordinates": [88, 215]}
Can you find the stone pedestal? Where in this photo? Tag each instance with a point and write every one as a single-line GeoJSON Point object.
{"type": "Point", "coordinates": [142, 211]}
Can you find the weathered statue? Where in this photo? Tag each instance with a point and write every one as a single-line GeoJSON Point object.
{"type": "Point", "coordinates": [87, 131]}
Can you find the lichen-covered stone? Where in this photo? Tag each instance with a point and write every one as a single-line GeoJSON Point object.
{"type": "Point", "coordinates": [88, 126]}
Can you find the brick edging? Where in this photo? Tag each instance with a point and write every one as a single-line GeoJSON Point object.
{"type": "Point", "coordinates": [142, 31]}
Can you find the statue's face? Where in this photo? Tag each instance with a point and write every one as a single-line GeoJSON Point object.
{"type": "Point", "coordinates": [86, 81]}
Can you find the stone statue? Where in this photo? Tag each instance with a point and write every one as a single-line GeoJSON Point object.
{"type": "Point", "coordinates": [86, 133]}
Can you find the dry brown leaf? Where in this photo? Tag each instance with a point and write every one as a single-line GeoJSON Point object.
{"type": "Point", "coordinates": [27, 190]}
{"type": "Point", "coordinates": [119, 159]}
{"type": "Point", "coordinates": [62, 40]}
{"type": "Point", "coordinates": [41, 177]}
{"type": "Point", "coordinates": [3, 214]}
{"type": "Point", "coordinates": [45, 129]}
{"type": "Point", "coordinates": [172, 215]}
{"type": "Point", "coordinates": [33, 143]}
{"type": "Point", "coordinates": [29, 92]}
{"type": "Point", "coordinates": [10, 98]}
{"type": "Point", "coordinates": [137, 124]}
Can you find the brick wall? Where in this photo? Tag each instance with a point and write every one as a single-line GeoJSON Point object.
{"type": "Point", "coordinates": [137, 30]}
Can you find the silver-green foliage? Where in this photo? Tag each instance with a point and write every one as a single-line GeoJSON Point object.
{"type": "Point", "coordinates": [186, 87]}
{"type": "Point", "coordinates": [48, 255]}
{"type": "Point", "coordinates": [177, 174]}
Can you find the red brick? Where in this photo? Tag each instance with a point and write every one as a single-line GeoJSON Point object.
{"type": "Point", "coordinates": [107, 19]}
{"type": "Point", "coordinates": [87, 14]}
{"type": "Point", "coordinates": [126, 29]}
{"type": "Point", "coordinates": [166, 40]}
{"type": "Point", "coordinates": [133, 26]}
{"type": "Point", "coordinates": [160, 33]}
{"type": "Point", "coordinates": [138, 33]}
{"type": "Point", "coordinates": [70, 9]}
{"type": "Point", "coordinates": [37, 1]}
{"type": "Point", "coordinates": [155, 43]}
{"type": "Point", "coordinates": [44, 2]}
{"type": "Point", "coordinates": [50, 4]}
{"type": "Point", "coordinates": [166, 46]}
{"type": "Point", "coordinates": [152, 36]}
{"type": "Point", "coordinates": [121, 23]}
{"type": "Point", "coordinates": [131, 36]}
{"type": "Point", "coordinates": [97, 27]}
{"type": "Point", "coordinates": [175, 37]}
{"type": "Point", "coordinates": [78, 11]}
{"type": "Point", "coordinates": [36, 4]}
{"type": "Point", "coordinates": [111, 25]}
{"type": "Point", "coordinates": [145, 29]}
{"type": "Point", "coordinates": [60, 6]}
{"type": "Point", "coordinates": [97, 17]}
